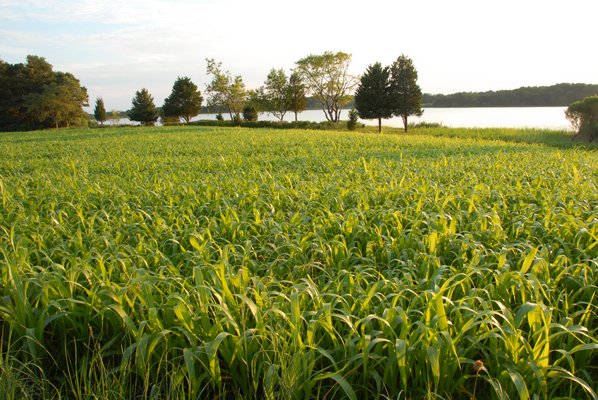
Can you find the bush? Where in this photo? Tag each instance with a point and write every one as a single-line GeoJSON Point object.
{"type": "Point", "coordinates": [324, 125]}
{"type": "Point", "coordinates": [249, 113]}
{"type": "Point", "coordinates": [424, 124]}
{"type": "Point", "coordinates": [583, 116]}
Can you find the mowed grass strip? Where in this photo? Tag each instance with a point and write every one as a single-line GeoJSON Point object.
{"type": "Point", "coordinates": [228, 262]}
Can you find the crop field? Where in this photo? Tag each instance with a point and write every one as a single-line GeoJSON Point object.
{"type": "Point", "coordinates": [231, 263]}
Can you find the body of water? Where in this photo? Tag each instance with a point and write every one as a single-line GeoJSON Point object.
{"type": "Point", "coordinates": [483, 117]}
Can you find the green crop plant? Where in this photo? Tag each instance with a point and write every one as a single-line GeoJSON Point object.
{"type": "Point", "coordinates": [213, 262]}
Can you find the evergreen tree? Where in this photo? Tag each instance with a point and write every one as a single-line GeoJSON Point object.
{"type": "Point", "coordinates": [406, 94]}
{"type": "Point", "coordinates": [372, 97]}
{"type": "Point", "coordinates": [184, 100]}
{"type": "Point", "coordinates": [143, 109]}
{"type": "Point", "coordinates": [100, 111]}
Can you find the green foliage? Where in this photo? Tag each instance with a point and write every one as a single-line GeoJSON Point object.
{"type": "Point", "coordinates": [583, 116]}
{"type": "Point", "coordinates": [225, 90]}
{"type": "Point", "coordinates": [307, 125]}
{"type": "Point", "coordinates": [99, 111]}
{"type": "Point", "coordinates": [143, 109]}
{"type": "Point", "coordinates": [353, 118]}
{"type": "Point", "coordinates": [277, 94]}
{"type": "Point", "coordinates": [249, 113]}
{"type": "Point", "coordinates": [297, 98]}
{"type": "Point", "coordinates": [184, 100]}
{"type": "Point", "coordinates": [213, 262]}
{"type": "Point", "coordinates": [326, 77]}
{"type": "Point", "coordinates": [405, 92]}
{"type": "Point", "coordinates": [60, 102]}
{"type": "Point", "coordinates": [373, 96]}
{"type": "Point", "coordinates": [32, 96]}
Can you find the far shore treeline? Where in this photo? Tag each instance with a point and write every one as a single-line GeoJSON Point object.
{"type": "Point", "coordinates": [559, 95]}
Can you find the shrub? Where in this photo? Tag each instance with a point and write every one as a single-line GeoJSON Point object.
{"type": "Point", "coordinates": [583, 116]}
{"type": "Point", "coordinates": [249, 113]}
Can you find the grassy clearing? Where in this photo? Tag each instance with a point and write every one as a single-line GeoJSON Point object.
{"type": "Point", "coordinates": [226, 262]}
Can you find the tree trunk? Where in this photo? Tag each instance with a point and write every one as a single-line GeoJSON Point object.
{"type": "Point", "coordinates": [379, 124]}
{"type": "Point", "coordinates": [404, 122]}
{"type": "Point", "coordinates": [295, 116]}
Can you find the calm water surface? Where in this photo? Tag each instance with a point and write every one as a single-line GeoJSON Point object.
{"type": "Point", "coordinates": [487, 117]}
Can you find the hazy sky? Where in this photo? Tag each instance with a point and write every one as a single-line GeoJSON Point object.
{"type": "Point", "coordinates": [117, 47]}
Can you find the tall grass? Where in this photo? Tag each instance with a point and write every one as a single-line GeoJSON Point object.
{"type": "Point", "coordinates": [226, 262]}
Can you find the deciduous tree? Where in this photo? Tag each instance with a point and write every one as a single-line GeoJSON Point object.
{"type": "Point", "coordinates": [327, 78]}
{"type": "Point", "coordinates": [277, 94]}
{"type": "Point", "coordinates": [144, 109]}
{"type": "Point", "coordinates": [225, 90]}
{"type": "Point", "coordinates": [60, 102]}
{"type": "Point", "coordinates": [33, 96]}
{"type": "Point", "coordinates": [373, 97]}
{"type": "Point", "coordinates": [406, 94]}
{"type": "Point", "coordinates": [184, 100]}
{"type": "Point", "coordinates": [297, 98]}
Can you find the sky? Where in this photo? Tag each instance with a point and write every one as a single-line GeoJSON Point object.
{"type": "Point", "coordinates": [118, 47]}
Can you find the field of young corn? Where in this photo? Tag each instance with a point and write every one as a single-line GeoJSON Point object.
{"type": "Point", "coordinates": [226, 263]}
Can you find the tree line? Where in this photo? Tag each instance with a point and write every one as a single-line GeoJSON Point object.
{"type": "Point", "coordinates": [33, 96]}
{"type": "Point", "coordinates": [559, 95]}
{"type": "Point", "coordinates": [381, 93]}
{"type": "Point", "coordinates": [323, 76]}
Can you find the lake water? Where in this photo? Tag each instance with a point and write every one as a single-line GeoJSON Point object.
{"type": "Point", "coordinates": [483, 117]}
{"type": "Point", "coordinates": [486, 117]}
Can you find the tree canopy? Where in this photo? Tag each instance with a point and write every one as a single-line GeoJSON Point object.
{"type": "Point", "coordinates": [276, 93]}
{"type": "Point", "coordinates": [327, 78]}
{"type": "Point", "coordinates": [225, 90]}
{"type": "Point", "coordinates": [405, 93]}
{"type": "Point", "coordinates": [373, 96]}
{"type": "Point", "coordinates": [33, 96]}
{"type": "Point", "coordinates": [144, 109]}
{"type": "Point", "coordinates": [297, 98]}
{"type": "Point", "coordinates": [60, 102]}
{"type": "Point", "coordinates": [184, 100]}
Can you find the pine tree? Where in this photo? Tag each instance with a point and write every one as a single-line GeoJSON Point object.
{"type": "Point", "coordinates": [372, 98]}
{"type": "Point", "coordinates": [100, 111]}
{"type": "Point", "coordinates": [143, 109]}
{"type": "Point", "coordinates": [184, 100]}
{"type": "Point", "coordinates": [406, 94]}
